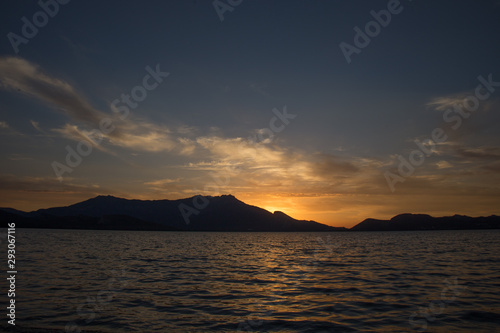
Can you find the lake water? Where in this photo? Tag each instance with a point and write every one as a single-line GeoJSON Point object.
{"type": "Point", "coordinates": [122, 281]}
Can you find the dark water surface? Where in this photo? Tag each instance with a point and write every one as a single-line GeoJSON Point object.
{"type": "Point", "coordinates": [122, 281]}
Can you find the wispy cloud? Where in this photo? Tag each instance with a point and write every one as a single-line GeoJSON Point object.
{"type": "Point", "coordinates": [443, 165]}
{"type": "Point", "coordinates": [6, 129]}
{"type": "Point", "coordinates": [255, 166]}
{"type": "Point", "coordinates": [143, 136]}
{"type": "Point", "coordinates": [36, 126]}
{"type": "Point", "coordinates": [41, 184]}
{"type": "Point", "coordinates": [19, 157]}
{"type": "Point", "coordinates": [482, 153]}
{"type": "Point", "coordinates": [24, 77]}
{"type": "Point", "coordinates": [163, 182]}
{"type": "Point", "coordinates": [445, 102]}
{"type": "Point", "coordinates": [167, 185]}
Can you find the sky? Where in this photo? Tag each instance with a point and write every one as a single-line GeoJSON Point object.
{"type": "Point", "coordinates": [333, 111]}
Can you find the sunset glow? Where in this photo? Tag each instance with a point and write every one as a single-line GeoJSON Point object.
{"type": "Point", "coordinates": [325, 140]}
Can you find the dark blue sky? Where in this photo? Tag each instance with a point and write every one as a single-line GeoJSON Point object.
{"type": "Point", "coordinates": [328, 163]}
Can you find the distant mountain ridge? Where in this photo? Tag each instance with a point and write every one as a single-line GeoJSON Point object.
{"type": "Point", "coordinates": [404, 222]}
{"type": "Point", "coordinates": [219, 213]}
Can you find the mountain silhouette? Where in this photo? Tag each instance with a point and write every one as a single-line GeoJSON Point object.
{"type": "Point", "coordinates": [403, 222]}
{"type": "Point", "coordinates": [211, 213]}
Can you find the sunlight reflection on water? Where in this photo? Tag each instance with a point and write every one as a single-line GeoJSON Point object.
{"type": "Point", "coordinates": [304, 282]}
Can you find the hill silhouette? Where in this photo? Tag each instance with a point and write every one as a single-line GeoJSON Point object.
{"type": "Point", "coordinates": [218, 213]}
{"type": "Point", "coordinates": [212, 213]}
{"type": "Point", "coordinates": [403, 222]}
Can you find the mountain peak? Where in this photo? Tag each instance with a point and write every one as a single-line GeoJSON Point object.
{"type": "Point", "coordinates": [228, 197]}
{"type": "Point", "coordinates": [105, 197]}
{"type": "Point", "coordinates": [409, 216]}
{"type": "Point", "coordinates": [217, 213]}
{"type": "Point", "coordinates": [280, 213]}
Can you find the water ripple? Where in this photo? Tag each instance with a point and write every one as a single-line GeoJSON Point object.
{"type": "Point", "coordinates": [277, 282]}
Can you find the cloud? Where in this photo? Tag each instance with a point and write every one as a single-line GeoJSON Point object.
{"type": "Point", "coordinates": [261, 161]}
{"type": "Point", "coordinates": [36, 126]}
{"type": "Point", "coordinates": [188, 146]}
{"type": "Point", "coordinates": [7, 130]}
{"type": "Point", "coordinates": [143, 136]}
{"type": "Point", "coordinates": [20, 75]}
{"type": "Point", "coordinates": [462, 153]}
{"type": "Point", "coordinates": [493, 167]}
{"type": "Point", "coordinates": [163, 182]}
{"type": "Point", "coordinates": [211, 165]}
{"type": "Point", "coordinates": [93, 137]}
{"type": "Point", "coordinates": [238, 163]}
{"type": "Point", "coordinates": [19, 157]}
{"type": "Point", "coordinates": [241, 149]}
{"type": "Point", "coordinates": [255, 167]}
{"type": "Point", "coordinates": [187, 130]}
{"type": "Point", "coordinates": [446, 102]}
{"type": "Point", "coordinates": [326, 165]}
{"type": "Point", "coordinates": [41, 184]}
{"type": "Point", "coordinates": [482, 153]}
{"type": "Point", "coordinates": [172, 187]}
{"type": "Point", "coordinates": [443, 165]}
